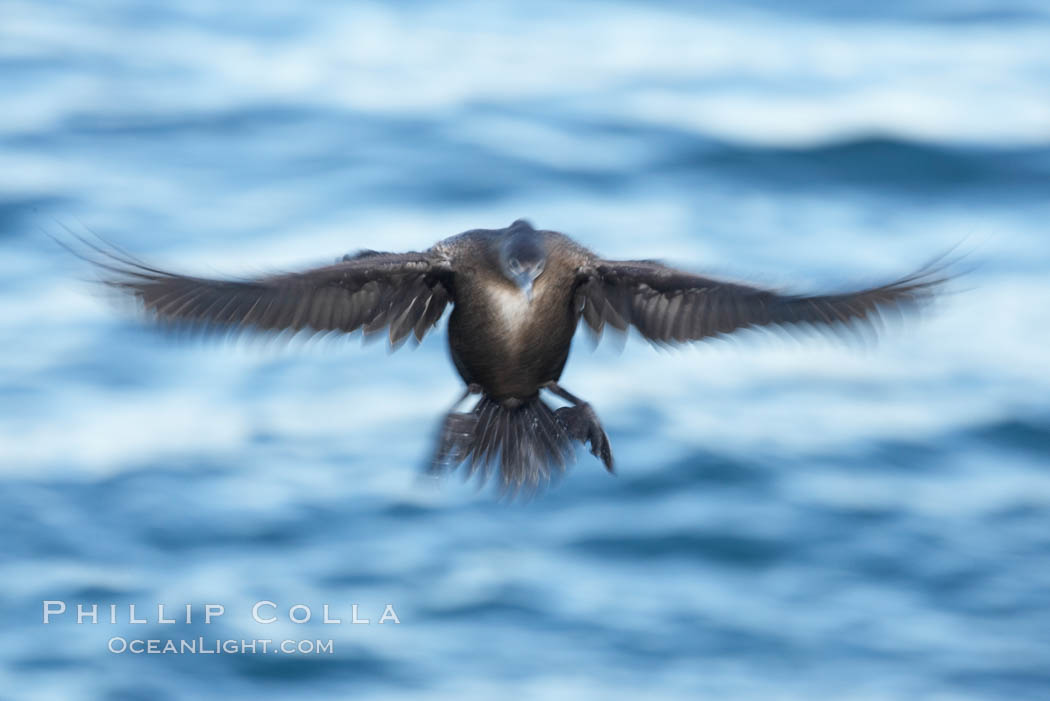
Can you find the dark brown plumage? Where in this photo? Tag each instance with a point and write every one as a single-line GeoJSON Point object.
{"type": "Point", "coordinates": [517, 297]}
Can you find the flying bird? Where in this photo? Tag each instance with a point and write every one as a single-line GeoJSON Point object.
{"type": "Point", "coordinates": [517, 296]}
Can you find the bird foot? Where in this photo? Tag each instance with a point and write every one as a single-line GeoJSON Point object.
{"type": "Point", "coordinates": [454, 441]}
{"type": "Point", "coordinates": [581, 422]}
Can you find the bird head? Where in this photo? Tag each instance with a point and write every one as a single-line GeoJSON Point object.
{"type": "Point", "coordinates": [522, 255]}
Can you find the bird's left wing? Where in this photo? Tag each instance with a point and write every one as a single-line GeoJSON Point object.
{"type": "Point", "coordinates": [671, 306]}
{"type": "Point", "coordinates": [404, 292]}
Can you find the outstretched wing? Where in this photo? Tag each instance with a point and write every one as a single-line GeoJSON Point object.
{"type": "Point", "coordinates": [405, 292]}
{"type": "Point", "coordinates": [671, 306]}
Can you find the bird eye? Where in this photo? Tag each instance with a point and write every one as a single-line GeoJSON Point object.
{"type": "Point", "coordinates": [514, 265]}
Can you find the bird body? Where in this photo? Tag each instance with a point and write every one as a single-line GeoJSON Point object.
{"type": "Point", "coordinates": [517, 295]}
{"type": "Point", "coordinates": [501, 339]}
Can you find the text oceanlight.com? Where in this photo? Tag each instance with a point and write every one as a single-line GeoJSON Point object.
{"type": "Point", "coordinates": [202, 646]}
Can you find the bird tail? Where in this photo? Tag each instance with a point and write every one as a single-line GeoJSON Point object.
{"type": "Point", "coordinates": [527, 441]}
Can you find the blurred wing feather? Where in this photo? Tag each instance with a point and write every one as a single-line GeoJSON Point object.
{"type": "Point", "coordinates": [404, 292]}
{"type": "Point", "coordinates": [670, 306]}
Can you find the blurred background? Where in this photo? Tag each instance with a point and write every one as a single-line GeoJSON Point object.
{"type": "Point", "coordinates": [792, 520]}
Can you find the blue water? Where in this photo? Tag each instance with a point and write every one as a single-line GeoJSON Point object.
{"type": "Point", "coordinates": [792, 519]}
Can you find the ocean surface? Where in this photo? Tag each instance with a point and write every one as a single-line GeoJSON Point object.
{"type": "Point", "coordinates": [793, 518]}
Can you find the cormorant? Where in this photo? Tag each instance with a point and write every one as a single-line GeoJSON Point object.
{"type": "Point", "coordinates": [517, 295]}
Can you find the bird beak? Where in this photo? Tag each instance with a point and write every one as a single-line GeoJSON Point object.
{"type": "Point", "coordinates": [526, 287]}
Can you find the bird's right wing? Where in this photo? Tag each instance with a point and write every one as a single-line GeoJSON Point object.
{"type": "Point", "coordinates": [404, 292]}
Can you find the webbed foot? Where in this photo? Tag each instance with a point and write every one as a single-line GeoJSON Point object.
{"type": "Point", "coordinates": [582, 424]}
{"type": "Point", "coordinates": [455, 440]}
